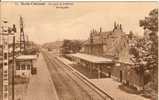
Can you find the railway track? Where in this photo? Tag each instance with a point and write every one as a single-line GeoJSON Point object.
{"type": "Point", "coordinates": [68, 85]}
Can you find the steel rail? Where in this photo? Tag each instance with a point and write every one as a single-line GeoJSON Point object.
{"type": "Point", "coordinates": [100, 92]}
{"type": "Point", "coordinates": [82, 78]}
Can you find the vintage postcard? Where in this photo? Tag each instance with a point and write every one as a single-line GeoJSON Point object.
{"type": "Point", "coordinates": [67, 50]}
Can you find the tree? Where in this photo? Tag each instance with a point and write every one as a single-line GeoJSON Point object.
{"type": "Point", "coordinates": [76, 46]}
{"type": "Point", "coordinates": [145, 50]}
{"type": "Point", "coordinates": [151, 23]}
{"type": "Point", "coordinates": [71, 46]}
{"type": "Point", "coordinates": [66, 46]}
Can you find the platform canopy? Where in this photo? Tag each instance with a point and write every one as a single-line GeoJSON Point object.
{"type": "Point", "coordinates": [26, 57]}
{"type": "Point", "coordinates": [91, 58]}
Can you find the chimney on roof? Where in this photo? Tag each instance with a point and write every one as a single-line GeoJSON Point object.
{"type": "Point", "coordinates": [100, 30]}
{"type": "Point", "coordinates": [118, 26]}
{"type": "Point", "coordinates": [115, 26]}
{"type": "Point", "coordinates": [121, 27]}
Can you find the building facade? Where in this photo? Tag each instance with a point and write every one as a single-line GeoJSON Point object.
{"type": "Point", "coordinates": [114, 44]}
{"type": "Point", "coordinates": [108, 43]}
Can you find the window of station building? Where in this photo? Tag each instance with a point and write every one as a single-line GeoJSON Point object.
{"type": "Point", "coordinates": [5, 56]}
{"type": "Point", "coordinates": [28, 67]}
{"type": "Point", "coordinates": [5, 64]}
{"type": "Point", "coordinates": [31, 65]}
{"type": "Point", "coordinates": [5, 87]}
{"type": "Point", "coordinates": [23, 67]}
{"type": "Point", "coordinates": [18, 67]}
{"type": "Point", "coordinates": [5, 79]}
{"type": "Point", "coordinates": [5, 75]}
{"type": "Point", "coordinates": [5, 71]}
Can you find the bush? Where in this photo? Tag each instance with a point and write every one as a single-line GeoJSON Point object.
{"type": "Point", "coordinates": [129, 89]}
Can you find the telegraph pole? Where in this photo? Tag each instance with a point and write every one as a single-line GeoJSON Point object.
{"type": "Point", "coordinates": [13, 66]}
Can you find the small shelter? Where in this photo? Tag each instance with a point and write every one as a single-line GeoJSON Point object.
{"type": "Point", "coordinates": [24, 65]}
{"type": "Point", "coordinates": [100, 64]}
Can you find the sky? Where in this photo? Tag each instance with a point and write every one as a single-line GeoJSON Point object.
{"type": "Point", "coordinates": [47, 23]}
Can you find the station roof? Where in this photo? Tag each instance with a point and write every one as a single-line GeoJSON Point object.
{"type": "Point", "coordinates": [26, 57]}
{"type": "Point", "coordinates": [92, 58]}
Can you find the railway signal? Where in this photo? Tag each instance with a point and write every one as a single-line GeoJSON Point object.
{"type": "Point", "coordinates": [22, 36]}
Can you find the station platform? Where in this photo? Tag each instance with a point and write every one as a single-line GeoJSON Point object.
{"type": "Point", "coordinates": [66, 60]}
{"type": "Point", "coordinates": [110, 86]}
{"type": "Point", "coordinates": [41, 86]}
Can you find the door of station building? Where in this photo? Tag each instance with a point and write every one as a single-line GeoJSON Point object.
{"type": "Point", "coordinates": [121, 76]}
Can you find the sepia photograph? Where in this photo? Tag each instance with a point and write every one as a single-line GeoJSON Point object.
{"type": "Point", "coordinates": [79, 50]}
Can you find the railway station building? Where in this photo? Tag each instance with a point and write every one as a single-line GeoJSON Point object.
{"type": "Point", "coordinates": [108, 54]}
{"type": "Point", "coordinates": [122, 72]}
